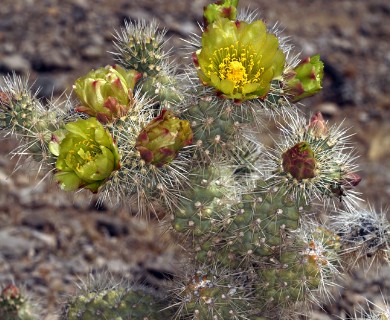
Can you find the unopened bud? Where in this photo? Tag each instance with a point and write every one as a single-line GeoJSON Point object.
{"type": "Point", "coordinates": [10, 292]}
{"type": "Point", "coordinates": [299, 161]}
{"type": "Point", "coordinates": [162, 139]}
{"type": "Point", "coordinates": [306, 79]}
{"type": "Point", "coordinates": [351, 179]}
{"type": "Point", "coordinates": [317, 126]}
{"type": "Point", "coordinates": [106, 93]}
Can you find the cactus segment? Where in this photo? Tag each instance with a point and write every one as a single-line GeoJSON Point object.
{"type": "Point", "coordinates": [216, 295]}
{"type": "Point", "coordinates": [302, 270]}
{"type": "Point", "coordinates": [140, 47]}
{"type": "Point", "coordinates": [15, 306]}
{"type": "Point", "coordinates": [119, 303]}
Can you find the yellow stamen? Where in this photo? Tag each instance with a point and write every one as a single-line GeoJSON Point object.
{"type": "Point", "coordinates": [236, 72]}
{"type": "Point", "coordinates": [239, 66]}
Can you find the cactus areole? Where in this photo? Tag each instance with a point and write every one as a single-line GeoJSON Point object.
{"type": "Point", "coordinates": [299, 161]}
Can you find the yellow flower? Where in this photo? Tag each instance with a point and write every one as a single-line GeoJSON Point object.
{"type": "Point", "coordinates": [239, 59]}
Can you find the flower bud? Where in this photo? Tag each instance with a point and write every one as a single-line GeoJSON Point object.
{"type": "Point", "coordinates": [4, 99]}
{"type": "Point", "coordinates": [10, 292]}
{"type": "Point", "coordinates": [317, 126]}
{"type": "Point", "coordinates": [350, 180]}
{"type": "Point", "coordinates": [106, 93]}
{"type": "Point", "coordinates": [162, 139]}
{"type": "Point", "coordinates": [220, 9]}
{"type": "Point", "coordinates": [306, 79]}
{"type": "Point", "coordinates": [87, 155]}
{"type": "Point", "coordinates": [299, 161]}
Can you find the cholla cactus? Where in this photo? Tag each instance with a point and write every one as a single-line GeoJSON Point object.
{"type": "Point", "coordinates": [363, 233]}
{"type": "Point", "coordinates": [23, 115]}
{"type": "Point", "coordinates": [187, 144]}
{"type": "Point", "coordinates": [15, 306]}
{"type": "Point", "coordinates": [140, 46]}
{"type": "Point", "coordinates": [212, 293]}
{"type": "Point", "coordinates": [103, 297]}
{"type": "Point", "coordinates": [314, 162]}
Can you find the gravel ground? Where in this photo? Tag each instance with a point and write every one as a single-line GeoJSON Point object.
{"type": "Point", "coordinates": [49, 238]}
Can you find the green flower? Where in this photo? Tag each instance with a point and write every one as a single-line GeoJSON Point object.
{"type": "Point", "coordinates": [106, 93]}
{"type": "Point", "coordinates": [87, 156]}
{"type": "Point", "coordinates": [306, 79]}
{"type": "Point", "coordinates": [239, 59]}
{"type": "Point", "coordinates": [162, 139]}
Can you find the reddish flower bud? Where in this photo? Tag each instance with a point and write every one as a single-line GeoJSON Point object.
{"type": "Point", "coordinates": [4, 100]}
{"type": "Point", "coordinates": [351, 179]}
{"type": "Point", "coordinates": [10, 292]}
{"type": "Point", "coordinates": [317, 126]}
{"type": "Point", "coordinates": [106, 93]}
{"type": "Point", "coordinates": [299, 161]}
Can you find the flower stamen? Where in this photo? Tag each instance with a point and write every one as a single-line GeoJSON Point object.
{"type": "Point", "coordinates": [237, 67]}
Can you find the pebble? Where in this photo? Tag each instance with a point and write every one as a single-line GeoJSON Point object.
{"type": "Point", "coordinates": [112, 226]}
{"type": "Point", "coordinates": [117, 265]}
{"type": "Point", "coordinates": [328, 108]}
{"type": "Point", "coordinates": [380, 144]}
{"type": "Point", "coordinates": [16, 63]}
{"type": "Point", "coordinates": [16, 242]}
{"type": "Point", "coordinates": [52, 84]}
{"type": "Point", "coordinates": [92, 52]}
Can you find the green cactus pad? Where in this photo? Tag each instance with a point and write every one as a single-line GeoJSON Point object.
{"type": "Point", "coordinates": [163, 88]}
{"type": "Point", "coordinates": [23, 114]}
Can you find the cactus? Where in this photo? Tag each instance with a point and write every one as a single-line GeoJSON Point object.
{"type": "Point", "coordinates": [103, 298]}
{"type": "Point", "coordinates": [216, 294]}
{"type": "Point", "coordinates": [15, 306]}
{"type": "Point", "coordinates": [152, 138]}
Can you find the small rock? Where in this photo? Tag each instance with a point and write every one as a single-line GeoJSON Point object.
{"type": "Point", "coordinates": [38, 220]}
{"type": "Point", "coordinates": [5, 179]}
{"type": "Point", "coordinates": [111, 225]}
{"type": "Point", "coordinates": [13, 244]}
{"type": "Point", "coordinates": [91, 52]}
{"type": "Point", "coordinates": [328, 108]}
{"type": "Point", "coordinates": [8, 47]}
{"type": "Point", "coordinates": [117, 265]}
{"type": "Point", "coordinates": [30, 196]}
{"type": "Point", "coordinates": [15, 63]}
{"type": "Point", "coordinates": [380, 144]}
{"type": "Point", "coordinates": [50, 59]}
{"type": "Point", "coordinates": [48, 85]}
